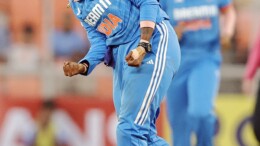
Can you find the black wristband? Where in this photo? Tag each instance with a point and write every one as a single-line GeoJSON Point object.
{"type": "Point", "coordinates": [87, 63]}
{"type": "Point", "coordinates": [146, 46]}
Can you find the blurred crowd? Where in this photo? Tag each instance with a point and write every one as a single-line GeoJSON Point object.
{"type": "Point", "coordinates": [31, 55]}
{"type": "Point", "coordinates": [27, 66]}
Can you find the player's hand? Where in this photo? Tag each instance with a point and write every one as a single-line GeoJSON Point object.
{"type": "Point", "coordinates": [135, 57]}
{"type": "Point", "coordinates": [247, 86]}
{"type": "Point", "coordinates": [179, 29]}
{"type": "Point", "coordinates": [225, 41]}
{"type": "Point", "coordinates": [72, 68]}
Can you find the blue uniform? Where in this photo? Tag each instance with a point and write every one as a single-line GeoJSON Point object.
{"type": "Point", "coordinates": [191, 95]}
{"type": "Point", "coordinates": [137, 92]}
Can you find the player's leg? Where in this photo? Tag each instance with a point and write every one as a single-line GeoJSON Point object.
{"type": "Point", "coordinates": [154, 139]}
{"type": "Point", "coordinates": [177, 103]}
{"type": "Point", "coordinates": [117, 79]}
{"type": "Point", "coordinates": [138, 108]}
{"type": "Point", "coordinates": [143, 90]}
{"type": "Point", "coordinates": [202, 89]}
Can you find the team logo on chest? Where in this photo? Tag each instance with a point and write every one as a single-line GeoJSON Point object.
{"type": "Point", "coordinates": [205, 11]}
{"type": "Point", "coordinates": [197, 17]}
{"type": "Point", "coordinates": [97, 12]}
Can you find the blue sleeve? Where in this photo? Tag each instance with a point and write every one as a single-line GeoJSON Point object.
{"type": "Point", "coordinates": [224, 3]}
{"type": "Point", "coordinates": [97, 50]}
{"type": "Point", "coordinates": [148, 9]}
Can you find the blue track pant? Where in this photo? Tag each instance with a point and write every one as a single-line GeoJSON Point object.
{"type": "Point", "coordinates": [190, 101]}
{"type": "Point", "coordinates": [138, 91]}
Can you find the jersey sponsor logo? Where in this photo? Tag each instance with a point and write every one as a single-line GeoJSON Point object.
{"type": "Point", "coordinates": [195, 12]}
{"type": "Point", "coordinates": [97, 12]}
{"type": "Point", "coordinates": [199, 24]}
{"type": "Point", "coordinates": [109, 24]}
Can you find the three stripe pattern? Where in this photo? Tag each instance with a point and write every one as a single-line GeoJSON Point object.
{"type": "Point", "coordinates": [159, 67]}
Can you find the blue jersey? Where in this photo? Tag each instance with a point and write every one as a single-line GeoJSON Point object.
{"type": "Point", "coordinates": [201, 22]}
{"type": "Point", "coordinates": [113, 22]}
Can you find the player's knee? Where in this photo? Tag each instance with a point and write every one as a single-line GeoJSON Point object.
{"type": "Point", "coordinates": [155, 140]}
{"type": "Point", "coordinates": [128, 135]}
{"type": "Point", "coordinates": [123, 129]}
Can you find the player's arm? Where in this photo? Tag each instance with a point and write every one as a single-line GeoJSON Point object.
{"type": "Point", "coordinates": [228, 25]}
{"type": "Point", "coordinates": [148, 15]}
{"type": "Point", "coordinates": [93, 57]}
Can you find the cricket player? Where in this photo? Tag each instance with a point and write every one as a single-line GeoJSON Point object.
{"type": "Point", "coordinates": [137, 40]}
{"type": "Point", "coordinates": [190, 98]}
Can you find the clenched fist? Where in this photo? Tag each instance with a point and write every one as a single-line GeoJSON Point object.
{"type": "Point", "coordinates": [135, 57]}
{"type": "Point", "coordinates": [72, 68]}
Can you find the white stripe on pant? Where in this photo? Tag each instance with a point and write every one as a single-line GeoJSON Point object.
{"type": "Point", "coordinates": [157, 74]}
